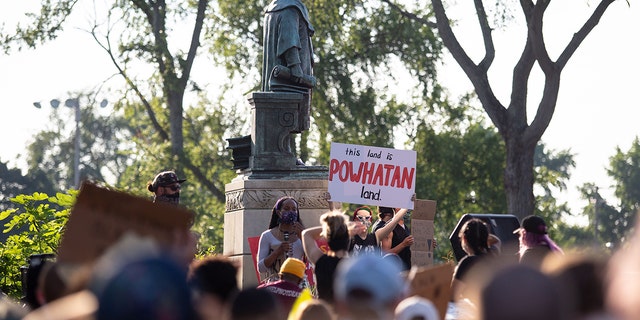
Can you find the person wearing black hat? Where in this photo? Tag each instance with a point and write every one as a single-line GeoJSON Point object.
{"type": "Point", "coordinates": [166, 187]}
{"type": "Point", "coordinates": [535, 243]}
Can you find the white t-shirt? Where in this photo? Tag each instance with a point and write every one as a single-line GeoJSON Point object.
{"type": "Point", "coordinates": [268, 243]}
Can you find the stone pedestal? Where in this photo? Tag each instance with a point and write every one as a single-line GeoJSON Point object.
{"type": "Point", "coordinates": [274, 116]}
{"type": "Point", "coordinates": [267, 170]}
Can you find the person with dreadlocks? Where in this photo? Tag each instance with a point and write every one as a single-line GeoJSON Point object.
{"type": "Point", "coordinates": [474, 237]}
{"type": "Point", "coordinates": [281, 240]}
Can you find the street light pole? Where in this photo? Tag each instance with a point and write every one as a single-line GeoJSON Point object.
{"type": "Point", "coordinates": [75, 104]}
{"type": "Point", "coordinates": [596, 203]}
{"type": "Point", "coordinates": [595, 219]}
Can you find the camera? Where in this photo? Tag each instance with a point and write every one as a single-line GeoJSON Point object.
{"type": "Point", "coordinates": [29, 277]}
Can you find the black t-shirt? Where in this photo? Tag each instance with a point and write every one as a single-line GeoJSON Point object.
{"type": "Point", "coordinates": [325, 269]}
{"type": "Point", "coordinates": [368, 245]}
{"type": "Point", "coordinates": [533, 256]}
{"type": "Point", "coordinates": [464, 265]}
{"type": "Point", "coordinates": [399, 234]}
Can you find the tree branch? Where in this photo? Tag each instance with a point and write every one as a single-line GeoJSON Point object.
{"type": "Point", "coordinates": [478, 76]}
{"type": "Point", "coordinates": [547, 105]}
{"type": "Point", "coordinates": [410, 15]}
{"type": "Point", "coordinates": [107, 48]}
{"type": "Point", "coordinates": [537, 38]}
{"type": "Point", "coordinates": [200, 176]}
{"type": "Point", "coordinates": [45, 26]}
{"type": "Point", "coordinates": [545, 111]}
{"type": "Point", "coordinates": [490, 51]}
{"type": "Point", "coordinates": [583, 32]}
{"type": "Point", "coordinates": [195, 42]}
{"type": "Point", "coordinates": [521, 72]}
{"type": "Point", "coordinates": [161, 47]}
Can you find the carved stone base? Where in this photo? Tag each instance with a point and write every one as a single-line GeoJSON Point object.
{"type": "Point", "coordinates": [248, 211]}
{"type": "Point", "coordinates": [275, 119]}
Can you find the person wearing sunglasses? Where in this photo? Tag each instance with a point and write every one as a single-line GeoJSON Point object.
{"type": "Point", "coordinates": [166, 187]}
{"type": "Point", "coordinates": [367, 241]}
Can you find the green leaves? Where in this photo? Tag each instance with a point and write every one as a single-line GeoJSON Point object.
{"type": "Point", "coordinates": [35, 227]}
{"type": "Point", "coordinates": [624, 169]}
{"type": "Point", "coordinates": [611, 223]}
{"type": "Point", "coordinates": [25, 199]}
{"type": "Point", "coordinates": [39, 27]}
{"type": "Point", "coordinates": [6, 213]}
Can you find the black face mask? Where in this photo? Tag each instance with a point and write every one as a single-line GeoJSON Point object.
{"type": "Point", "coordinates": [173, 199]}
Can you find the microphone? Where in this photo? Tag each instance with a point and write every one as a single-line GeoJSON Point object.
{"type": "Point", "coordinates": [286, 238]}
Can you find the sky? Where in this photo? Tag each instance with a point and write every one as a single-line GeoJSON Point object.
{"type": "Point", "coordinates": [596, 112]}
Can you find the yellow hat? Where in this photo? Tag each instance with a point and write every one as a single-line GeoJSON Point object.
{"type": "Point", "coordinates": [293, 266]}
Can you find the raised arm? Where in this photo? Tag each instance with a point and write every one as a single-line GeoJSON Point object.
{"type": "Point", "coordinates": [387, 241]}
{"type": "Point", "coordinates": [311, 249]}
{"type": "Point", "coordinates": [383, 232]}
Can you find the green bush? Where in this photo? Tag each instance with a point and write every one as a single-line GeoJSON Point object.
{"type": "Point", "coordinates": [35, 226]}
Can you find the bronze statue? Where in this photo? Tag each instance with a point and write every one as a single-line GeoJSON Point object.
{"type": "Point", "coordinates": [288, 54]}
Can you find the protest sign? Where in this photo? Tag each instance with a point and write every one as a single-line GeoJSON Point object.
{"type": "Point", "coordinates": [101, 216]}
{"type": "Point", "coordinates": [422, 229]}
{"type": "Point", "coordinates": [372, 175]}
{"type": "Point", "coordinates": [433, 283]}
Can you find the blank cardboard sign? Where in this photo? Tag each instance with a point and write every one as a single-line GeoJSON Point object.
{"type": "Point", "coordinates": [422, 229]}
{"type": "Point", "coordinates": [433, 283]}
{"type": "Point", "coordinates": [101, 216]}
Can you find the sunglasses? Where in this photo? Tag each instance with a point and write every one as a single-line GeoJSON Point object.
{"type": "Point", "coordinates": [363, 218]}
{"type": "Point", "coordinates": [174, 188]}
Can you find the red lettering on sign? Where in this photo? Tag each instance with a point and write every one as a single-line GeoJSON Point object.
{"type": "Point", "coordinates": [372, 173]}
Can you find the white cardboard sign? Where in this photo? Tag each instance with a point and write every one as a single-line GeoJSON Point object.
{"type": "Point", "coordinates": [372, 175]}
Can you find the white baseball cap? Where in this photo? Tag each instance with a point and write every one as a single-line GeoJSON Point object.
{"type": "Point", "coordinates": [416, 307]}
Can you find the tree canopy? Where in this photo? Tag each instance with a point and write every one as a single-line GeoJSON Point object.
{"type": "Point", "coordinates": [613, 220]}
{"type": "Point", "coordinates": [377, 63]}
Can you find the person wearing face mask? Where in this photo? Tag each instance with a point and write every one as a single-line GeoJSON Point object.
{"type": "Point", "coordinates": [368, 242]}
{"type": "Point", "coordinates": [281, 240]}
{"type": "Point", "coordinates": [166, 187]}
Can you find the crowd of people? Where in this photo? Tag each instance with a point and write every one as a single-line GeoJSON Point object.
{"type": "Point", "coordinates": [361, 271]}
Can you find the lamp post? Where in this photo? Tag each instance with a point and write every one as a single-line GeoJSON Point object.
{"type": "Point", "coordinates": [75, 104]}
{"type": "Point", "coordinates": [596, 202]}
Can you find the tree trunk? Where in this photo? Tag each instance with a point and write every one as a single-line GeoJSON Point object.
{"type": "Point", "coordinates": [175, 123]}
{"type": "Point", "coordinates": [518, 177]}
{"type": "Point", "coordinates": [520, 137]}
